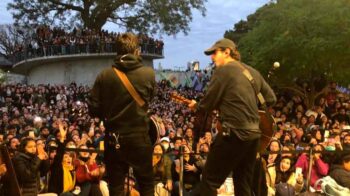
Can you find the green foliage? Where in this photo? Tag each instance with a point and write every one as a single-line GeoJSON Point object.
{"type": "Point", "coordinates": [145, 16]}
{"type": "Point", "coordinates": [310, 39]}
{"type": "Point", "coordinates": [243, 27]}
{"type": "Point", "coordinates": [11, 37]}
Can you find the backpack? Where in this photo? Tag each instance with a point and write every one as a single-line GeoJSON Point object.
{"type": "Point", "coordinates": [331, 187]}
{"type": "Point", "coordinates": [284, 189]}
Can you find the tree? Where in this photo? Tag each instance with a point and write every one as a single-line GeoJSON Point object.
{"type": "Point", "coordinates": [11, 38]}
{"type": "Point", "coordinates": [243, 27]}
{"type": "Point", "coordinates": [310, 39]}
{"type": "Point", "coordinates": [3, 76]}
{"type": "Point", "coordinates": [146, 16]}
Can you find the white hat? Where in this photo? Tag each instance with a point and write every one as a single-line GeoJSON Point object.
{"type": "Point", "coordinates": [164, 139]}
{"type": "Point", "coordinates": [346, 127]}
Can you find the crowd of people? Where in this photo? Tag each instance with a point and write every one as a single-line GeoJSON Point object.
{"type": "Point", "coordinates": [38, 122]}
{"type": "Point", "coordinates": [48, 41]}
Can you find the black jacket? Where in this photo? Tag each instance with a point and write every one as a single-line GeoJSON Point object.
{"type": "Point", "coordinates": [56, 177]}
{"type": "Point", "coordinates": [28, 171]}
{"type": "Point", "coordinates": [110, 101]}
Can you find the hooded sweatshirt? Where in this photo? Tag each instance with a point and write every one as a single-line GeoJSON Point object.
{"type": "Point", "coordinates": [110, 100]}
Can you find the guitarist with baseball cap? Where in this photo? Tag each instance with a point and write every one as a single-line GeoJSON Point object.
{"type": "Point", "coordinates": [235, 89]}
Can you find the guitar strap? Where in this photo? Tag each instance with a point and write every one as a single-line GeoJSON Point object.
{"type": "Point", "coordinates": [114, 136]}
{"type": "Point", "coordinates": [126, 82]}
{"type": "Point", "coordinates": [250, 78]}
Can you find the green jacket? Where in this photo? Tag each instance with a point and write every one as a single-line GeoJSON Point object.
{"type": "Point", "coordinates": [111, 102]}
{"type": "Point", "coordinates": [231, 93]}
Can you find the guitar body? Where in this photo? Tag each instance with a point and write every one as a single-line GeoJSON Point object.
{"type": "Point", "coordinates": [266, 126]}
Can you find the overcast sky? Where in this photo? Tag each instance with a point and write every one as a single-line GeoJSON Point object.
{"type": "Point", "coordinates": [221, 15]}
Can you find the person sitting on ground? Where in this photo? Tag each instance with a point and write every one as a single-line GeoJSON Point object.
{"type": "Point", "coordinates": [319, 167]}
{"type": "Point", "coordinates": [274, 147]}
{"type": "Point", "coordinates": [161, 168]}
{"type": "Point", "coordinates": [29, 166]}
{"type": "Point", "coordinates": [283, 172]}
{"type": "Point", "coordinates": [88, 173]}
{"type": "Point", "coordinates": [62, 180]}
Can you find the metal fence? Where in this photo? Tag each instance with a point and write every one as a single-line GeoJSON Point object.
{"type": "Point", "coordinates": [87, 48]}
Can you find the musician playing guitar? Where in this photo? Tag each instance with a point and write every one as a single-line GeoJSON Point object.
{"type": "Point", "coordinates": [120, 96]}
{"type": "Point", "coordinates": [236, 97]}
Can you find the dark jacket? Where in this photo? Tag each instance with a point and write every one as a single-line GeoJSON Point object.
{"type": "Point", "coordinates": [56, 177]}
{"type": "Point", "coordinates": [232, 94]}
{"type": "Point", "coordinates": [28, 171]}
{"type": "Point", "coordinates": [110, 101]}
{"type": "Point", "coordinates": [340, 175]}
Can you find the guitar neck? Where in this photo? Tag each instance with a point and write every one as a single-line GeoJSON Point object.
{"type": "Point", "coordinates": [180, 99]}
{"type": "Point", "coordinates": [186, 101]}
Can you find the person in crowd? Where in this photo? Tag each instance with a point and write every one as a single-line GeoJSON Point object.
{"type": "Point", "coordinates": [274, 147]}
{"type": "Point", "coordinates": [346, 142]}
{"type": "Point", "coordinates": [284, 172]}
{"type": "Point", "coordinates": [341, 172]}
{"type": "Point", "coordinates": [317, 133]}
{"type": "Point", "coordinates": [62, 176]}
{"type": "Point", "coordinates": [13, 146]}
{"type": "Point", "coordinates": [319, 168]}
{"type": "Point", "coordinates": [21, 104]}
{"type": "Point", "coordinates": [88, 173]}
{"type": "Point", "coordinates": [165, 142]}
{"type": "Point", "coordinates": [191, 172]}
{"type": "Point", "coordinates": [304, 123]}
{"type": "Point", "coordinates": [161, 169]}
{"type": "Point", "coordinates": [189, 137]}
{"type": "Point", "coordinates": [287, 151]}
{"type": "Point", "coordinates": [202, 154]}
{"type": "Point", "coordinates": [67, 42]}
{"type": "Point", "coordinates": [126, 140]}
{"type": "Point", "coordinates": [30, 163]}
{"type": "Point", "coordinates": [341, 116]}
{"type": "Point", "coordinates": [176, 148]}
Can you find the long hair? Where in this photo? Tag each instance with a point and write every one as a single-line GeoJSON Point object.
{"type": "Point", "coordinates": [24, 143]}
{"type": "Point", "coordinates": [235, 54]}
{"type": "Point", "coordinates": [284, 176]}
{"type": "Point", "coordinates": [160, 167]}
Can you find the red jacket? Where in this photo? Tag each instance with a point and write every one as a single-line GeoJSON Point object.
{"type": "Point", "coordinates": [83, 171]}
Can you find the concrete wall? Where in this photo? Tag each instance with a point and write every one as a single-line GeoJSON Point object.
{"type": "Point", "coordinates": [81, 69]}
{"type": "Point", "coordinates": [64, 72]}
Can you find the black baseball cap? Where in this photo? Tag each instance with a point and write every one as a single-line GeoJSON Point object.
{"type": "Point", "coordinates": [222, 43]}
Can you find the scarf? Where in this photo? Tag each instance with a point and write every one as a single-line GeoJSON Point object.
{"type": "Point", "coordinates": [68, 178]}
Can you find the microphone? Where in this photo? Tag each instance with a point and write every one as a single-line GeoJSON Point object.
{"type": "Point", "coordinates": [275, 66]}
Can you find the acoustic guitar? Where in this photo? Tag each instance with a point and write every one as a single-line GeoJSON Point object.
{"type": "Point", "coordinates": [266, 124]}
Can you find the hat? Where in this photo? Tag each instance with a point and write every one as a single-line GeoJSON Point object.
{"type": "Point", "coordinates": [222, 43]}
{"type": "Point", "coordinates": [165, 139]}
{"type": "Point", "coordinates": [346, 127]}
